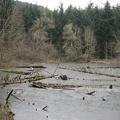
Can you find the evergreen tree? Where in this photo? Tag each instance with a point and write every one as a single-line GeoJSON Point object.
{"type": "Point", "coordinates": [30, 14]}
{"type": "Point", "coordinates": [74, 16]}
{"type": "Point", "coordinates": [59, 18]}
{"type": "Point", "coordinates": [104, 27]}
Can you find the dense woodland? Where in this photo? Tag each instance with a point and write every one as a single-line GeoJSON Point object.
{"type": "Point", "coordinates": [30, 32]}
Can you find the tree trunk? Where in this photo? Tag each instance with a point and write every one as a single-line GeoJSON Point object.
{"type": "Point", "coordinates": [106, 51]}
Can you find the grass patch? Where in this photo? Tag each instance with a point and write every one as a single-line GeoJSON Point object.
{"type": "Point", "coordinates": [5, 112]}
{"type": "Point", "coordinates": [15, 71]}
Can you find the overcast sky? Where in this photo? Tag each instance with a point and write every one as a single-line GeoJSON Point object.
{"type": "Point", "coordinates": [53, 4]}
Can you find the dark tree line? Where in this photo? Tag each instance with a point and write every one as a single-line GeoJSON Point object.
{"type": "Point", "coordinates": [74, 33]}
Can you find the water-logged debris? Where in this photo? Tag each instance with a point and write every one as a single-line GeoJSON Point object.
{"type": "Point", "coordinates": [52, 85]}
{"type": "Point", "coordinates": [110, 86]}
{"type": "Point", "coordinates": [103, 99]}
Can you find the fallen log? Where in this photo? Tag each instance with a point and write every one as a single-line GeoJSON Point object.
{"type": "Point", "coordinates": [52, 85]}
{"type": "Point", "coordinates": [8, 96]}
{"type": "Point", "coordinates": [32, 66]}
{"type": "Point", "coordinates": [15, 71]}
{"type": "Point", "coordinates": [8, 83]}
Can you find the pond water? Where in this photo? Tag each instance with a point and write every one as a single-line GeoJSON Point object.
{"type": "Point", "coordinates": [68, 104]}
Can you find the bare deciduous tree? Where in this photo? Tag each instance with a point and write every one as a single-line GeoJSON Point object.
{"type": "Point", "coordinates": [39, 36]}
{"type": "Point", "coordinates": [69, 41]}
{"type": "Point", "coordinates": [15, 28]}
{"type": "Point", "coordinates": [90, 42]}
{"type": "Point", "coordinates": [79, 42]}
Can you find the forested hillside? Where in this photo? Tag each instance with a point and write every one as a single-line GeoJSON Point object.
{"type": "Point", "coordinates": [34, 33]}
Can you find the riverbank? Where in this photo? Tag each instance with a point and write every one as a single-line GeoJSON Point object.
{"type": "Point", "coordinates": [13, 62]}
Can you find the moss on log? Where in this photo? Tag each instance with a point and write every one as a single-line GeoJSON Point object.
{"type": "Point", "coordinates": [15, 71]}
{"type": "Point", "coordinates": [25, 66]}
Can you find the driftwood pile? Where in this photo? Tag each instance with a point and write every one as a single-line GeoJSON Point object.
{"type": "Point", "coordinates": [18, 79]}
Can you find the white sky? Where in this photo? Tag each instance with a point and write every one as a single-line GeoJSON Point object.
{"type": "Point", "coordinates": [53, 4]}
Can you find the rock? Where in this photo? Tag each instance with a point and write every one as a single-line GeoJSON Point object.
{"type": "Point", "coordinates": [33, 104]}
{"type": "Point", "coordinates": [103, 99]}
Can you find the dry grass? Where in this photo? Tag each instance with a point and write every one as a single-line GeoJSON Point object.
{"type": "Point", "coordinates": [116, 61]}
{"type": "Point", "coordinates": [5, 112]}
